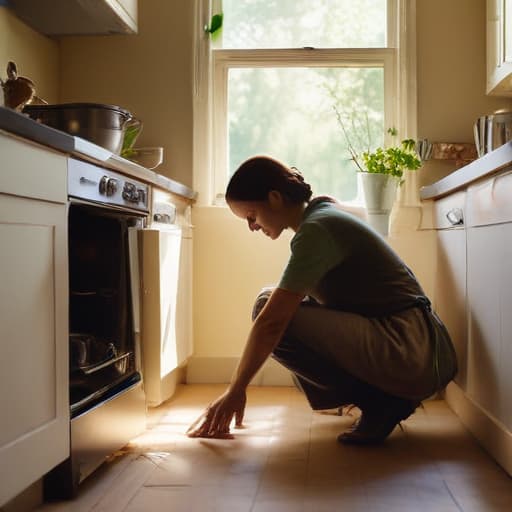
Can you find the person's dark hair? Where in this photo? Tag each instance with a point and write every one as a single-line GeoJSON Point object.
{"type": "Point", "coordinates": [258, 175]}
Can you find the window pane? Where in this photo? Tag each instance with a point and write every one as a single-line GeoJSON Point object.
{"type": "Point", "coordinates": [300, 23]}
{"type": "Point", "coordinates": [288, 113]}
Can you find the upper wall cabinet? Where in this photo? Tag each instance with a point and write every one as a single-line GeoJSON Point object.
{"type": "Point", "coordinates": [499, 47]}
{"type": "Point", "coordinates": [78, 17]}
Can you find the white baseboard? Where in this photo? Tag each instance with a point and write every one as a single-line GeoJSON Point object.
{"type": "Point", "coordinates": [490, 432]}
{"type": "Point", "coordinates": [219, 370]}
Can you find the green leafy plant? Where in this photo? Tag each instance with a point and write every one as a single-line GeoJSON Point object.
{"type": "Point", "coordinates": [392, 160]}
{"type": "Point", "coordinates": [215, 25]}
{"type": "Point", "coordinates": [130, 135]}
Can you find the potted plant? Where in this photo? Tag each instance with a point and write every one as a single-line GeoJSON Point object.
{"type": "Point", "coordinates": [381, 171]}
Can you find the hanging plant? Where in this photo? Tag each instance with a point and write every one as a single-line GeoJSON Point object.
{"type": "Point", "coordinates": [215, 25]}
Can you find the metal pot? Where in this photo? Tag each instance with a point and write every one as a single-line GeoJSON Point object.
{"type": "Point", "coordinates": [104, 125]}
{"type": "Point", "coordinates": [492, 131]}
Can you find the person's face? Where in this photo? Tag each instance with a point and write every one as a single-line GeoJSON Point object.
{"type": "Point", "coordinates": [267, 216]}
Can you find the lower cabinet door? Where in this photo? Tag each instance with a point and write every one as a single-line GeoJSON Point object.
{"type": "Point", "coordinates": [506, 325]}
{"type": "Point", "coordinates": [34, 433]}
{"type": "Point", "coordinates": [485, 274]}
{"type": "Point", "coordinates": [451, 293]}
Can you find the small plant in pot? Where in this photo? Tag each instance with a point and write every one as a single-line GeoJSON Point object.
{"type": "Point", "coordinates": [381, 171]}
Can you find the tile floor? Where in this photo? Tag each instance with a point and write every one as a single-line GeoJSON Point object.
{"type": "Point", "coordinates": [286, 459]}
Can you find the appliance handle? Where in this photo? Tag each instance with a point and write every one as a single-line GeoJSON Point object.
{"type": "Point", "coordinates": [456, 217]}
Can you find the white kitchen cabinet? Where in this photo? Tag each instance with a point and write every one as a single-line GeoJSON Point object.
{"type": "Point", "coordinates": [489, 238]}
{"type": "Point", "coordinates": [499, 47]}
{"type": "Point", "coordinates": [484, 284]}
{"type": "Point", "coordinates": [34, 436]}
{"type": "Point", "coordinates": [450, 290]}
{"type": "Point", "coordinates": [485, 404]}
{"type": "Point", "coordinates": [78, 17]}
{"type": "Point", "coordinates": [474, 297]}
{"type": "Point", "coordinates": [490, 319]}
{"type": "Point", "coordinates": [450, 280]}
{"type": "Point", "coordinates": [506, 325]}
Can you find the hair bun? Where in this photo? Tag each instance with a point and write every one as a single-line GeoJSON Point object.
{"type": "Point", "coordinates": [257, 176]}
{"type": "Point", "coordinates": [297, 174]}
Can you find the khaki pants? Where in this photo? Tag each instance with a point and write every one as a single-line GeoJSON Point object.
{"type": "Point", "coordinates": [408, 354]}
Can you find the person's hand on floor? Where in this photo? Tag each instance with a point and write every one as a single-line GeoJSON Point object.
{"type": "Point", "coordinates": [216, 419]}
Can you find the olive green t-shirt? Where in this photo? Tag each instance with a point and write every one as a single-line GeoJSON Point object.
{"type": "Point", "coordinates": [342, 263]}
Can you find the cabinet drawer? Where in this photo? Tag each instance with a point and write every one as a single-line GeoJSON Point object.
{"type": "Point", "coordinates": [28, 170]}
{"type": "Point", "coordinates": [489, 202]}
{"type": "Point", "coordinates": [450, 211]}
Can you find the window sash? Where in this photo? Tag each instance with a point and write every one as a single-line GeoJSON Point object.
{"type": "Point", "coordinates": [401, 37]}
{"type": "Point", "coordinates": [224, 60]}
{"type": "Point", "coordinates": [393, 23]}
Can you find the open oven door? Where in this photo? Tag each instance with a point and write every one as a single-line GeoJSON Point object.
{"type": "Point", "coordinates": [166, 343]}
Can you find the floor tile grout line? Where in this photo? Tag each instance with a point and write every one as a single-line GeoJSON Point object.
{"type": "Point", "coordinates": [452, 496]}
{"type": "Point", "coordinates": [269, 449]}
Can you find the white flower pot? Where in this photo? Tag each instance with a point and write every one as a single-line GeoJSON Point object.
{"type": "Point", "coordinates": [379, 195]}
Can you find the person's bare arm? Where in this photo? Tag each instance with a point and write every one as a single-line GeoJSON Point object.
{"type": "Point", "coordinates": [265, 334]}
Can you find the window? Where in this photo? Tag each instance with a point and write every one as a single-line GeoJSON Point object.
{"type": "Point", "coordinates": [283, 75]}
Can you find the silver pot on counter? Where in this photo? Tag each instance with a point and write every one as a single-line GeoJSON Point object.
{"type": "Point", "coordinates": [492, 131]}
{"type": "Point", "coordinates": [105, 125]}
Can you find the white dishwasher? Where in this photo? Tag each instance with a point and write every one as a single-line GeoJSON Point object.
{"type": "Point", "coordinates": [166, 331]}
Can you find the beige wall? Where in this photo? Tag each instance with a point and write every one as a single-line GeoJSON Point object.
{"type": "Point", "coordinates": [451, 75]}
{"type": "Point", "coordinates": [149, 74]}
{"type": "Point", "coordinates": [36, 56]}
{"type": "Point", "coordinates": [231, 265]}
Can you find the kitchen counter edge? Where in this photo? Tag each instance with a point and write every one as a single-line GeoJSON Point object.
{"type": "Point", "coordinates": [14, 123]}
{"type": "Point", "coordinates": [488, 164]}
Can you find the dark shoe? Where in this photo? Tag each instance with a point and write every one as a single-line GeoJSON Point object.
{"type": "Point", "coordinates": [374, 425]}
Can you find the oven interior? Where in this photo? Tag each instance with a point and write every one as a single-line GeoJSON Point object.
{"type": "Point", "coordinates": [102, 344]}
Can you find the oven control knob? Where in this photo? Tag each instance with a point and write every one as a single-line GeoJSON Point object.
{"type": "Point", "coordinates": [130, 192]}
{"type": "Point", "coordinates": [141, 195]}
{"type": "Point", "coordinates": [111, 186]}
{"type": "Point", "coordinates": [103, 185]}
{"type": "Point", "coordinates": [108, 186]}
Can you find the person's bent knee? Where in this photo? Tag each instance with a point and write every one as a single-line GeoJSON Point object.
{"type": "Point", "coordinates": [261, 300]}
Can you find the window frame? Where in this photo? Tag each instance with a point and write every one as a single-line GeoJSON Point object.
{"type": "Point", "coordinates": [224, 60]}
{"type": "Point", "coordinates": [211, 81]}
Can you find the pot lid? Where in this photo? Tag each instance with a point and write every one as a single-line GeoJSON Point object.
{"type": "Point", "coordinates": [59, 106]}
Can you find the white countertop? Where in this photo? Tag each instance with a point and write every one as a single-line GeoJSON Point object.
{"type": "Point", "coordinates": [488, 164]}
{"type": "Point", "coordinates": [20, 125]}
{"type": "Point", "coordinates": [97, 154]}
